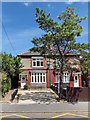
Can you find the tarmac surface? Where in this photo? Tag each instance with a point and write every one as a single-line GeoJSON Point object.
{"type": "Point", "coordinates": [46, 111]}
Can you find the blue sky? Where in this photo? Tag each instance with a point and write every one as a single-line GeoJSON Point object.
{"type": "Point", "coordinates": [19, 21]}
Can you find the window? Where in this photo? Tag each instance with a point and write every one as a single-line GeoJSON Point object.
{"type": "Point", "coordinates": [57, 78]}
{"type": "Point", "coordinates": [38, 77]}
{"type": "Point", "coordinates": [76, 78]}
{"type": "Point", "coordinates": [65, 77]}
{"type": "Point", "coordinates": [37, 62]}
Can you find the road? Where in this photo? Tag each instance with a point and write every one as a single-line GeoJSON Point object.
{"type": "Point", "coordinates": [45, 111]}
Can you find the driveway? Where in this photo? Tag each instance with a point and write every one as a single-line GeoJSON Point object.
{"type": "Point", "coordinates": [40, 97]}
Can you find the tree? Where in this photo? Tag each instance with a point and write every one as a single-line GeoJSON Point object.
{"type": "Point", "coordinates": [6, 83]}
{"type": "Point", "coordinates": [11, 65]}
{"type": "Point", "coordinates": [60, 35]}
{"type": "Point", "coordinates": [17, 66]}
{"type": "Point", "coordinates": [85, 58]}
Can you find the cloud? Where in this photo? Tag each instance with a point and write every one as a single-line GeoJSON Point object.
{"type": "Point", "coordinates": [26, 4]}
{"type": "Point", "coordinates": [68, 3]}
{"type": "Point", "coordinates": [29, 32]}
{"type": "Point", "coordinates": [85, 33]}
{"type": "Point", "coordinates": [49, 5]}
{"type": "Point", "coordinates": [71, 1]}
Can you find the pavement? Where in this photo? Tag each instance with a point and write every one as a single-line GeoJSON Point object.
{"type": "Point", "coordinates": [7, 97]}
{"type": "Point", "coordinates": [38, 108]}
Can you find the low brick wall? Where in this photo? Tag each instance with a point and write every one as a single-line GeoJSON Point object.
{"type": "Point", "coordinates": [75, 94]}
{"type": "Point", "coordinates": [78, 94]}
{"type": "Point", "coordinates": [38, 85]}
{"type": "Point", "coordinates": [84, 94]}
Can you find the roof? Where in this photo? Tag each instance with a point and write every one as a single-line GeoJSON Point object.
{"type": "Point", "coordinates": [24, 73]}
{"type": "Point", "coordinates": [29, 53]}
{"type": "Point", "coordinates": [52, 50]}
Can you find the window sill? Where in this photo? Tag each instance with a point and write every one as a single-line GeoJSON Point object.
{"type": "Point", "coordinates": [38, 66]}
{"type": "Point", "coordinates": [66, 82]}
{"type": "Point", "coordinates": [37, 82]}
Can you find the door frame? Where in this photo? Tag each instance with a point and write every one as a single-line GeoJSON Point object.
{"type": "Point", "coordinates": [76, 84]}
{"type": "Point", "coordinates": [22, 86]}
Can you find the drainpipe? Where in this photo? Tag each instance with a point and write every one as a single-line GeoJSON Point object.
{"type": "Point", "coordinates": [50, 70]}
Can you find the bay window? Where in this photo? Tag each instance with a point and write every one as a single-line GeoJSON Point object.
{"type": "Point", "coordinates": [38, 77]}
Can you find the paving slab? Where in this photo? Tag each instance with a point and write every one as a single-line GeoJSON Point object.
{"type": "Point", "coordinates": [37, 97]}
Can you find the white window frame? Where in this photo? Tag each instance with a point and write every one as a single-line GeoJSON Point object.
{"type": "Point", "coordinates": [58, 77]}
{"type": "Point", "coordinates": [36, 74]}
{"type": "Point", "coordinates": [37, 60]}
{"type": "Point", "coordinates": [66, 74]}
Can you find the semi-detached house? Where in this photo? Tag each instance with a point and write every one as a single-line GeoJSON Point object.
{"type": "Point", "coordinates": [36, 72]}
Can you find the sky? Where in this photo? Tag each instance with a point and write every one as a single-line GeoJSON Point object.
{"type": "Point", "coordinates": [19, 22]}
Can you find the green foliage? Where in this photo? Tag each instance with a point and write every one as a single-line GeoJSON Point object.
{"type": "Point", "coordinates": [85, 55]}
{"type": "Point", "coordinates": [75, 70]}
{"type": "Point", "coordinates": [60, 35]}
{"type": "Point", "coordinates": [6, 83]}
{"type": "Point", "coordinates": [25, 87]}
{"type": "Point", "coordinates": [10, 68]}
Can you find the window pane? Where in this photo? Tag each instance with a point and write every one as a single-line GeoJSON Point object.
{"type": "Point", "coordinates": [56, 78]}
{"type": "Point", "coordinates": [34, 59]}
{"type": "Point", "coordinates": [34, 63]}
{"type": "Point", "coordinates": [32, 78]}
{"type": "Point", "coordinates": [41, 59]}
{"type": "Point", "coordinates": [43, 78]}
{"type": "Point", "coordinates": [38, 77]}
{"type": "Point", "coordinates": [35, 77]}
{"type": "Point", "coordinates": [38, 63]}
{"type": "Point", "coordinates": [65, 78]}
{"type": "Point", "coordinates": [75, 77]}
{"type": "Point", "coordinates": [41, 63]}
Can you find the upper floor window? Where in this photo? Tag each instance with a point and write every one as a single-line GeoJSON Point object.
{"type": "Point", "coordinates": [37, 61]}
{"type": "Point", "coordinates": [65, 77]}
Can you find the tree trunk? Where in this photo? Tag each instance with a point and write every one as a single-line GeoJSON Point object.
{"type": "Point", "coordinates": [61, 74]}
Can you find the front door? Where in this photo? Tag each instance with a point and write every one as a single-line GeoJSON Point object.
{"type": "Point", "coordinates": [76, 81]}
{"type": "Point", "coordinates": [23, 81]}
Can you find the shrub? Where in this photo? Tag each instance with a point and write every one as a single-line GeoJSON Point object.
{"type": "Point", "coordinates": [6, 83]}
{"type": "Point", "coordinates": [25, 87]}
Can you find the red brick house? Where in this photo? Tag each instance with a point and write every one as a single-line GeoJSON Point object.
{"type": "Point", "coordinates": [36, 73]}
